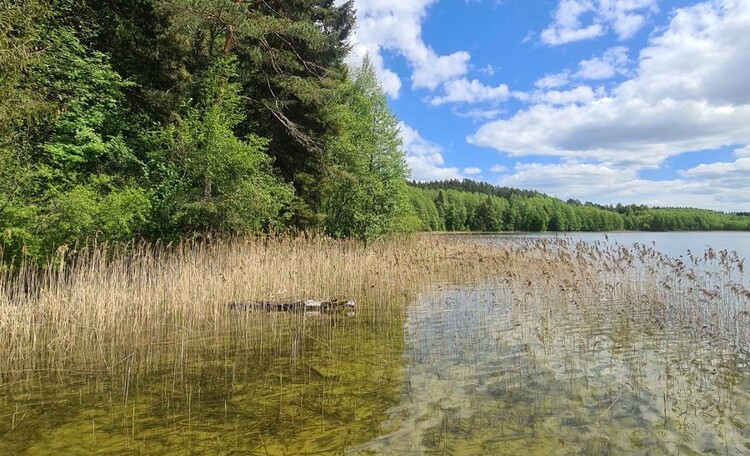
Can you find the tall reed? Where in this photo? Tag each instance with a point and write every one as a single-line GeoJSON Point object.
{"type": "Point", "coordinates": [107, 307]}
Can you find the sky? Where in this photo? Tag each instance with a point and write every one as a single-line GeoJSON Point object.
{"type": "Point", "coordinates": [608, 101]}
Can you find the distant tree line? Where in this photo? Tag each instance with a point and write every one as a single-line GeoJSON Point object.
{"type": "Point", "coordinates": [466, 205]}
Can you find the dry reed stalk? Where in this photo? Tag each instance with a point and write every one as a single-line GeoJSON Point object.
{"type": "Point", "coordinates": [143, 306]}
{"type": "Point", "coordinates": [122, 308]}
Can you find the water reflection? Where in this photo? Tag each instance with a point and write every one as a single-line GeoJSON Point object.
{"type": "Point", "coordinates": [489, 375]}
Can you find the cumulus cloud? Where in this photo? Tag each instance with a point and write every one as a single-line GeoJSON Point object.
{"type": "Point", "coordinates": [424, 158]}
{"type": "Point", "coordinates": [570, 180]}
{"type": "Point", "coordinates": [552, 81]}
{"type": "Point", "coordinates": [581, 94]}
{"type": "Point", "coordinates": [465, 91]}
{"type": "Point", "coordinates": [613, 61]}
{"type": "Point", "coordinates": [723, 174]}
{"type": "Point", "coordinates": [742, 152]}
{"type": "Point", "coordinates": [577, 20]}
{"type": "Point", "coordinates": [472, 171]}
{"type": "Point", "coordinates": [670, 105]}
{"type": "Point", "coordinates": [396, 26]}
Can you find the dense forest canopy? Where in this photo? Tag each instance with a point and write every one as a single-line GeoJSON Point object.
{"type": "Point", "coordinates": [170, 118]}
{"type": "Point", "coordinates": [166, 119]}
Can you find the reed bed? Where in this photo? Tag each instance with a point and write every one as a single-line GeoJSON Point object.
{"type": "Point", "coordinates": [155, 321]}
{"type": "Point", "coordinates": [108, 306]}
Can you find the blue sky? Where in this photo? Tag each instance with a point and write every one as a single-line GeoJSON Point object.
{"type": "Point", "coordinates": [632, 101]}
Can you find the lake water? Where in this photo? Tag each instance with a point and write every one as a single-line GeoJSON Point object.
{"type": "Point", "coordinates": [670, 243]}
{"type": "Point", "coordinates": [565, 348]}
{"type": "Point", "coordinates": [487, 374]}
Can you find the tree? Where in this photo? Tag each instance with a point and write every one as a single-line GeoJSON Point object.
{"type": "Point", "coordinates": [489, 215]}
{"type": "Point", "coordinates": [366, 193]}
{"type": "Point", "coordinates": [211, 181]}
{"type": "Point", "coordinates": [78, 175]}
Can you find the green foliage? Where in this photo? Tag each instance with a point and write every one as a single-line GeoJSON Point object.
{"type": "Point", "coordinates": [367, 191]}
{"type": "Point", "coordinates": [22, 46]}
{"type": "Point", "coordinates": [458, 210]}
{"type": "Point", "coordinates": [86, 136]}
{"type": "Point", "coordinates": [211, 181]}
{"type": "Point", "coordinates": [168, 118]}
{"type": "Point", "coordinates": [87, 212]}
{"type": "Point", "coordinates": [73, 177]}
{"type": "Point", "coordinates": [424, 209]}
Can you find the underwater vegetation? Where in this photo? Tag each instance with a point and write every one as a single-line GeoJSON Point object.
{"type": "Point", "coordinates": [459, 345]}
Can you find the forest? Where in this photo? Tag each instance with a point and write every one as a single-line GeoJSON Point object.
{"type": "Point", "coordinates": [150, 120]}
{"type": "Point", "coordinates": [467, 205]}
{"type": "Point", "coordinates": [172, 119]}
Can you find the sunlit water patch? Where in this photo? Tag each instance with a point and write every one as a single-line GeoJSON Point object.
{"type": "Point", "coordinates": [309, 385]}
{"type": "Point", "coordinates": [488, 373]}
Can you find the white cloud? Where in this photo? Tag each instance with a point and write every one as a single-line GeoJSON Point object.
{"type": "Point", "coordinates": [613, 61]}
{"type": "Point", "coordinates": [425, 158]}
{"type": "Point", "coordinates": [431, 70]}
{"type": "Point", "coordinates": [742, 152]}
{"type": "Point", "coordinates": [499, 169]}
{"type": "Point", "coordinates": [581, 94]}
{"type": "Point", "coordinates": [465, 91]}
{"type": "Point", "coordinates": [394, 25]}
{"type": "Point", "coordinates": [570, 180]}
{"type": "Point", "coordinates": [479, 114]}
{"type": "Point", "coordinates": [703, 55]}
{"type": "Point", "coordinates": [735, 174]}
{"type": "Point", "coordinates": [689, 92]}
{"type": "Point", "coordinates": [472, 171]}
{"type": "Point", "coordinates": [624, 17]}
{"type": "Point", "coordinates": [552, 81]}
{"type": "Point", "coordinates": [489, 70]}
{"type": "Point", "coordinates": [717, 186]}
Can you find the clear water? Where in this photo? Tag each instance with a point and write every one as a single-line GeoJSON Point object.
{"type": "Point", "coordinates": [490, 366]}
{"type": "Point", "coordinates": [316, 386]}
{"type": "Point", "coordinates": [486, 376]}
{"type": "Point", "coordinates": [673, 244]}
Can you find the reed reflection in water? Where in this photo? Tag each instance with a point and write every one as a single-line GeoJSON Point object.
{"type": "Point", "coordinates": [607, 350]}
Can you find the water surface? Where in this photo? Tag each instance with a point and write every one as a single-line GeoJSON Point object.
{"type": "Point", "coordinates": [487, 376]}
{"type": "Point", "coordinates": [561, 347]}
{"type": "Point", "coordinates": [670, 243]}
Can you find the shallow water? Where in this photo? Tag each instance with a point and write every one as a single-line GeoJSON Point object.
{"type": "Point", "coordinates": [646, 358]}
{"type": "Point", "coordinates": [316, 385]}
{"type": "Point", "coordinates": [673, 244]}
{"type": "Point", "coordinates": [487, 376]}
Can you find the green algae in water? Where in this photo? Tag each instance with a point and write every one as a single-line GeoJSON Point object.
{"type": "Point", "coordinates": [317, 386]}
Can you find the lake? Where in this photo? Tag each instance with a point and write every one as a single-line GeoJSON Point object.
{"type": "Point", "coordinates": [670, 243]}
{"type": "Point", "coordinates": [488, 375]}
{"type": "Point", "coordinates": [524, 344]}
